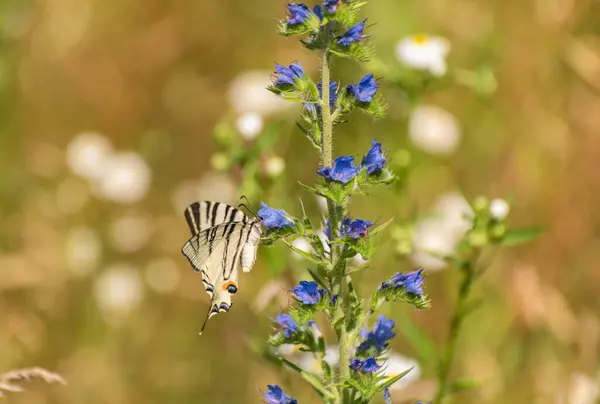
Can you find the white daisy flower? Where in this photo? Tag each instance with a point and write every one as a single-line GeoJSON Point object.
{"type": "Point", "coordinates": [249, 125]}
{"type": "Point", "coordinates": [424, 52]}
{"type": "Point", "coordinates": [118, 291]}
{"type": "Point", "coordinates": [436, 236]}
{"type": "Point", "coordinates": [434, 130]}
{"type": "Point", "coordinates": [125, 178]}
{"type": "Point", "coordinates": [274, 166]}
{"type": "Point", "coordinates": [87, 154]}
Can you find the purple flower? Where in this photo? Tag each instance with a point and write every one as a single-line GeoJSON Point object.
{"type": "Point", "coordinates": [277, 396]}
{"type": "Point", "coordinates": [374, 160]}
{"type": "Point", "coordinates": [343, 170]}
{"type": "Point", "coordinates": [332, 97]}
{"type": "Point", "coordinates": [299, 13]}
{"type": "Point", "coordinates": [365, 366]}
{"type": "Point", "coordinates": [387, 396]}
{"type": "Point", "coordinates": [364, 90]}
{"type": "Point", "coordinates": [288, 325]}
{"type": "Point", "coordinates": [380, 336]}
{"type": "Point", "coordinates": [276, 218]}
{"type": "Point", "coordinates": [308, 292]}
{"type": "Point", "coordinates": [412, 282]}
{"type": "Point", "coordinates": [354, 34]}
{"type": "Point", "coordinates": [332, 5]}
{"type": "Point", "coordinates": [354, 228]}
{"type": "Point", "coordinates": [286, 75]}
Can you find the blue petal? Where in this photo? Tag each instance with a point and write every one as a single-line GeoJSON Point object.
{"type": "Point", "coordinates": [299, 13]}
{"type": "Point", "coordinates": [387, 396]}
{"type": "Point", "coordinates": [374, 160]}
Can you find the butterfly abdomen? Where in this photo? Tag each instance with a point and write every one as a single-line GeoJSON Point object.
{"type": "Point", "coordinates": [248, 254]}
{"type": "Point", "coordinates": [248, 257]}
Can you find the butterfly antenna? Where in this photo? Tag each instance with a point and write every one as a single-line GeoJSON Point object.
{"type": "Point", "coordinates": [246, 206]}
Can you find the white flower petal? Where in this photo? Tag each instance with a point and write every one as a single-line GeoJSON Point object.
{"type": "Point", "coordinates": [434, 130]}
{"type": "Point", "coordinates": [87, 154]}
{"type": "Point", "coordinates": [249, 125]}
{"type": "Point", "coordinates": [125, 179]}
{"type": "Point", "coordinates": [499, 208]}
{"type": "Point", "coordinates": [248, 93]}
{"type": "Point", "coordinates": [397, 364]}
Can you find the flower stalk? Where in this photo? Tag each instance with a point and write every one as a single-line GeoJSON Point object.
{"type": "Point", "coordinates": [337, 267]}
{"type": "Point", "coordinates": [458, 316]}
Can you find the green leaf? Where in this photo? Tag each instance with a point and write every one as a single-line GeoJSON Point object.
{"type": "Point", "coordinates": [517, 237]}
{"type": "Point", "coordinates": [418, 339]}
{"type": "Point", "coordinates": [304, 254]}
{"type": "Point", "coordinates": [380, 227]}
{"type": "Point", "coordinates": [393, 380]}
{"type": "Point", "coordinates": [319, 280]}
{"type": "Point", "coordinates": [311, 378]}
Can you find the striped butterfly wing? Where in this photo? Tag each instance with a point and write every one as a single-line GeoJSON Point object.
{"type": "Point", "coordinates": [216, 250]}
{"type": "Point", "coordinates": [204, 215]}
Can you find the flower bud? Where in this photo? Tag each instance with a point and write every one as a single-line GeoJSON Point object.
{"type": "Point", "coordinates": [499, 209]}
{"type": "Point", "coordinates": [223, 133]}
{"type": "Point", "coordinates": [219, 162]}
{"type": "Point", "coordinates": [480, 204]}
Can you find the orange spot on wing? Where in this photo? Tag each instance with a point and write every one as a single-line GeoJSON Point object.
{"type": "Point", "coordinates": [227, 284]}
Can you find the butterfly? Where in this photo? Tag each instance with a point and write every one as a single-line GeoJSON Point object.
{"type": "Point", "coordinates": [223, 237]}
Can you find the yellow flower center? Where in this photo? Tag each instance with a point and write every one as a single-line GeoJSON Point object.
{"type": "Point", "coordinates": [420, 39]}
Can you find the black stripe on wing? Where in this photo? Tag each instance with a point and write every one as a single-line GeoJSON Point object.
{"type": "Point", "coordinates": [204, 215]}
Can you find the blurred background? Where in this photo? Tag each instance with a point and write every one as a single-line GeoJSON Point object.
{"type": "Point", "coordinates": [116, 115]}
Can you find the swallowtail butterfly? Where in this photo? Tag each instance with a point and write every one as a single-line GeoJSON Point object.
{"type": "Point", "coordinates": [223, 237]}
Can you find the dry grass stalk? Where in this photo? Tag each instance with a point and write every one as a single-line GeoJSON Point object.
{"type": "Point", "coordinates": [8, 379]}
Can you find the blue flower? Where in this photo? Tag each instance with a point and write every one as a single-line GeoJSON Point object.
{"type": "Point", "coordinates": [299, 13]}
{"type": "Point", "coordinates": [364, 90]}
{"type": "Point", "coordinates": [318, 11]}
{"type": "Point", "coordinates": [354, 34]}
{"type": "Point", "coordinates": [343, 170]}
{"type": "Point", "coordinates": [327, 229]}
{"type": "Point", "coordinates": [365, 366]}
{"type": "Point", "coordinates": [288, 325]}
{"type": "Point", "coordinates": [370, 366]}
{"type": "Point", "coordinates": [380, 336]}
{"type": "Point", "coordinates": [354, 228]}
{"type": "Point", "coordinates": [286, 75]}
{"type": "Point", "coordinates": [332, 5]}
{"type": "Point", "coordinates": [308, 292]}
{"type": "Point", "coordinates": [356, 364]}
{"type": "Point", "coordinates": [412, 282]}
{"type": "Point", "coordinates": [387, 396]}
{"type": "Point", "coordinates": [332, 98]}
{"type": "Point", "coordinates": [374, 160]}
{"type": "Point", "coordinates": [277, 396]}
{"type": "Point", "coordinates": [276, 218]}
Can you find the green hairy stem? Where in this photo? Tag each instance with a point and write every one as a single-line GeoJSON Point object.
{"type": "Point", "coordinates": [337, 268]}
